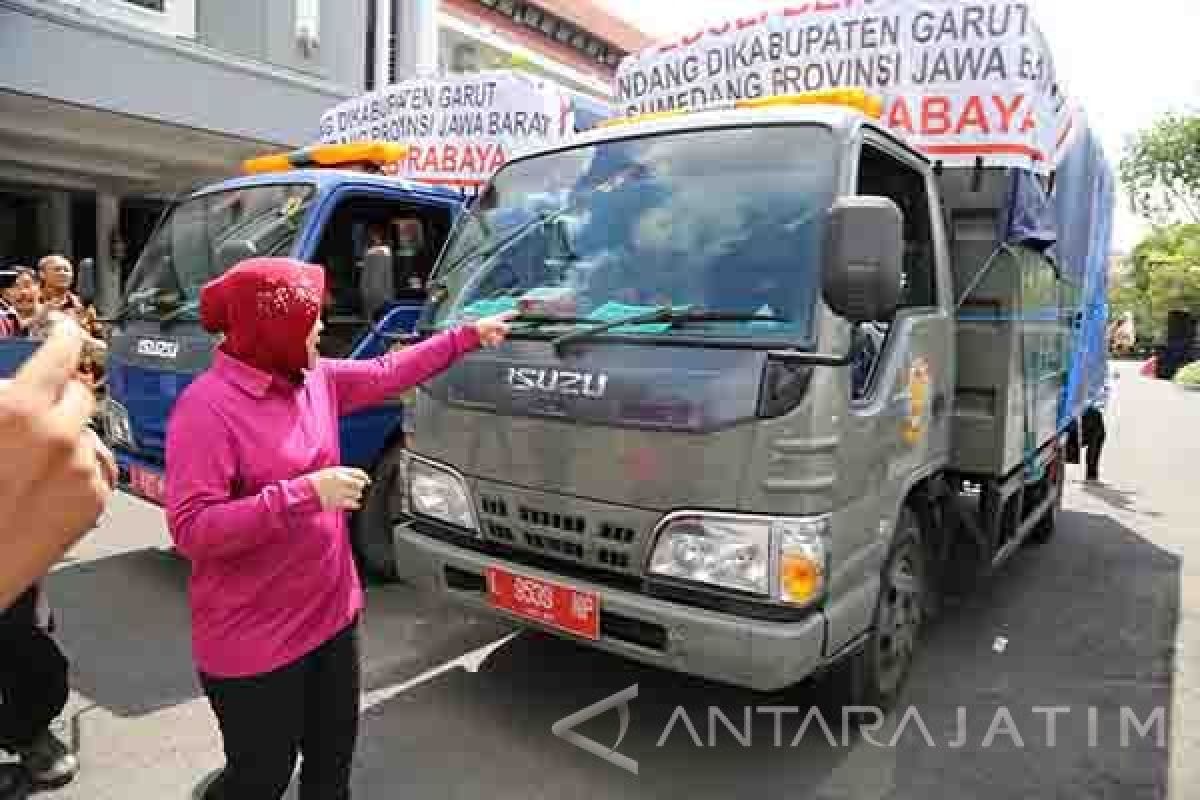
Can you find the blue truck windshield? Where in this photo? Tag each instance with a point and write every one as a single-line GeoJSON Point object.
{"type": "Point", "coordinates": [207, 234]}
{"type": "Point", "coordinates": [718, 220]}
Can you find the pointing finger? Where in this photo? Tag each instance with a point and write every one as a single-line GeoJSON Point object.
{"type": "Point", "coordinates": [53, 365]}
{"type": "Point", "coordinates": [70, 415]}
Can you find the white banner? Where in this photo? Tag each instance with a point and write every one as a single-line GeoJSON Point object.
{"type": "Point", "coordinates": [958, 79]}
{"type": "Point", "coordinates": [459, 129]}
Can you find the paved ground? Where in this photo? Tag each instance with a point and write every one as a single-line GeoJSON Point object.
{"type": "Point", "coordinates": [1089, 623]}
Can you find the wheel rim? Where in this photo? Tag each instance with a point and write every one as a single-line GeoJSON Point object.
{"type": "Point", "coordinates": [899, 619]}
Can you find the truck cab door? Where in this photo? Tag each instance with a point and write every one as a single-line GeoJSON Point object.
{"type": "Point", "coordinates": [897, 429]}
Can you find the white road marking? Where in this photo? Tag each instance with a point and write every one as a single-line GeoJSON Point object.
{"type": "Point", "coordinates": [471, 662]}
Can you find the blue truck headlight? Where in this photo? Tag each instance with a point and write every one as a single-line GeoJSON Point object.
{"type": "Point", "coordinates": [783, 558]}
{"type": "Point", "coordinates": [440, 494]}
{"type": "Point", "coordinates": [115, 420]}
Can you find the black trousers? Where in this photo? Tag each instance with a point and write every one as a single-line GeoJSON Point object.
{"type": "Point", "coordinates": [309, 707]}
{"type": "Point", "coordinates": [33, 675]}
{"type": "Point", "coordinates": [1092, 428]}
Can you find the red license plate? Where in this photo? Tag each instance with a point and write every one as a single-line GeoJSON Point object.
{"type": "Point", "coordinates": [561, 607]}
{"type": "Point", "coordinates": [148, 484]}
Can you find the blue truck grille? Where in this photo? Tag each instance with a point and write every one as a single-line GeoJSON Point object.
{"type": "Point", "coordinates": [148, 396]}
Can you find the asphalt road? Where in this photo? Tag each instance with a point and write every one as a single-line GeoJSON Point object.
{"type": "Point", "coordinates": [1086, 625]}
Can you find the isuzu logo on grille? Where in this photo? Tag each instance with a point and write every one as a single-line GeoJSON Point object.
{"type": "Point", "coordinates": [557, 381]}
{"type": "Point", "coordinates": [157, 347]}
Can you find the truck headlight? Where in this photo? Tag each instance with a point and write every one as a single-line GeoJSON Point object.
{"type": "Point", "coordinates": [116, 423]}
{"type": "Point", "coordinates": [785, 558]}
{"type": "Point", "coordinates": [440, 494]}
{"type": "Point", "coordinates": [724, 551]}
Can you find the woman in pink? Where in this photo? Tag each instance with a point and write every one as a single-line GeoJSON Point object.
{"type": "Point", "coordinates": [256, 500]}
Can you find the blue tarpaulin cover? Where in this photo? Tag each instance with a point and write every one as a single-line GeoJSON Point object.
{"type": "Point", "coordinates": [1072, 223]}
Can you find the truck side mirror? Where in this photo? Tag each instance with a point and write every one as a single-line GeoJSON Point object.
{"type": "Point", "coordinates": [233, 252]}
{"type": "Point", "coordinates": [862, 275]}
{"type": "Point", "coordinates": [85, 285]}
{"type": "Point", "coordinates": [378, 280]}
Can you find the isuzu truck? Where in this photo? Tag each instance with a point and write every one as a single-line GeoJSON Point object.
{"type": "Point", "coordinates": [784, 370]}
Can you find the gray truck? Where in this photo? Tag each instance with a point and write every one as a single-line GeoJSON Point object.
{"type": "Point", "coordinates": [778, 381]}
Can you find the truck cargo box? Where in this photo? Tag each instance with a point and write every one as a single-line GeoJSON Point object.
{"type": "Point", "coordinates": [1013, 330]}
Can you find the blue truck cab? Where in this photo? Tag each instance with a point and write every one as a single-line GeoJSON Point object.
{"type": "Point", "coordinates": [342, 219]}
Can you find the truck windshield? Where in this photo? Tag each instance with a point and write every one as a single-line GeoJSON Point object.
{"type": "Point", "coordinates": [207, 234]}
{"type": "Point", "coordinates": [723, 220]}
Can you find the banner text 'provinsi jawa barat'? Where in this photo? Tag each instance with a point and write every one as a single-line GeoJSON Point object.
{"type": "Point", "coordinates": [460, 129]}
{"type": "Point", "coordinates": [959, 79]}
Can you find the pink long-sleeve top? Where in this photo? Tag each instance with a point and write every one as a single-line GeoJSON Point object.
{"type": "Point", "coordinates": [272, 574]}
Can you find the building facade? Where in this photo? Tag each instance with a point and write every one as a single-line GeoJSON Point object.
{"type": "Point", "coordinates": [109, 108]}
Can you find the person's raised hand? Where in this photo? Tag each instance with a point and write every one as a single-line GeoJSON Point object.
{"type": "Point", "coordinates": [340, 488]}
{"type": "Point", "coordinates": [54, 480]}
{"type": "Point", "coordinates": [494, 329]}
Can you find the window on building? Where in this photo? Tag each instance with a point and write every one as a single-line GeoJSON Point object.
{"type": "Point", "coordinates": [369, 47]}
{"type": "Point", "coordinates": [166, 17]}
{"type": "Point", "coordinates": [308, 22]}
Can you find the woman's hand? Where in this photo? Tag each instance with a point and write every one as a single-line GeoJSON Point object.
{"type": "Point", "coordinates": [340, 488]}
{"type": "Point", "coordinates": [493, 330]}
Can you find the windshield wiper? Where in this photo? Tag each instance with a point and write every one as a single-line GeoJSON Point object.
{"type": "Point", "coordinates": [175, 313]}
{"type": "Point", "coordinates": [127, 310]}
{"type": "Point", "coordinates": [659, 315]}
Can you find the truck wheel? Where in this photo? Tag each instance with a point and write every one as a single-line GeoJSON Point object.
{"type": "Point", "coordinates": [371, 528]}
{"type": "Point", "coordinates": [1047, 526]}
{"type": "Point", "coordinates": [874, 676]}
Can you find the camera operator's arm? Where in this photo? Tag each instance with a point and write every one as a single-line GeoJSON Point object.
{"type": "Point", "coordinates": [55, 475]}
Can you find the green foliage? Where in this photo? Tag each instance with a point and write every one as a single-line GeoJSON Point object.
{"type": "Point", "coordinates": [1189, 375]}
{"type": "Point", "coordinates": [1161, 170]}
{"type": "Point", "coordinates": [1165, 276]}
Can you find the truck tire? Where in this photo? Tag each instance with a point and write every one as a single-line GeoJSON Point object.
{"type": "Point", "coordinates": [1047, 526]}
{"type": "Point", "coordinates": [874, 676]}
{"type": "Point", "coordinates": [371, 527]}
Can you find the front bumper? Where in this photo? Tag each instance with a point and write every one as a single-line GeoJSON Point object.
{"type": "Point", "coordinates": [139, 477]}
{"type": "Point", "coordinates": [723, 647]}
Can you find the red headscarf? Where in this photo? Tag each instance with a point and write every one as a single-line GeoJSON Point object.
{"type": "Point", "coordinates": [265, 307]}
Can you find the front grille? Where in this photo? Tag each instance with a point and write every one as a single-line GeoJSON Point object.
{"type": "Point", "coordinates": [523, 522]}
{"type": "Point", "coordinates": [553, 544]}
{"type": "Point", "coordinates": [494, 507]}
{"type": "Point", "coordinates": [616, 533]}
{"type": "Point", "coordinates": [612, 559]}
{"type": "Point", "coordinates": [501, 532]}
{"type": "Point", "coordinates": [561, 522]}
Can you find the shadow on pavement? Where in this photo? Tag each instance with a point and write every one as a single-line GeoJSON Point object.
{"type": "Point", "coordinates": [1089, 620]}
{"type": "Point", "coordinates": [123, 621]}
{"type": "Point", "coordinates": [1120, 499]}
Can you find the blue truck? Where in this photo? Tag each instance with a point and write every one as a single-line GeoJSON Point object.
{"type": "Point", "coordinates": [330, 216]}
{"type": "Point", "coordinates": [327, 204]}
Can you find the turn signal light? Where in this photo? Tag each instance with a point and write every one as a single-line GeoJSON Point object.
{"type": "Point", "coordinates": [801, 579]}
